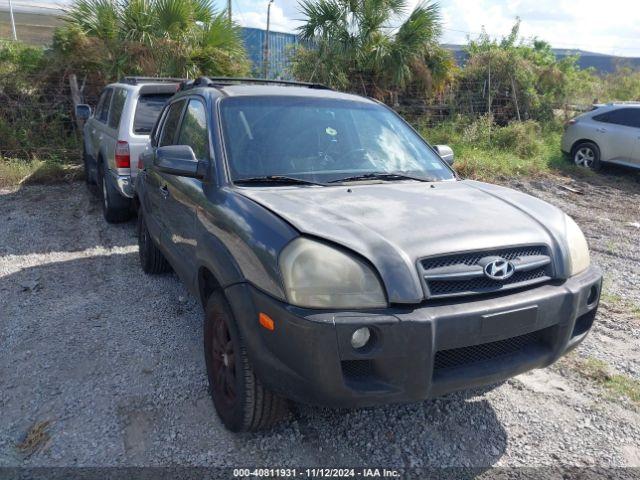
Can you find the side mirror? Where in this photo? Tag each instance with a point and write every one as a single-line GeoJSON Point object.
{"type": "Point", "coordinates": [445, 152]}
{"type": "Point", "coordinates": [179, 160]}
{"type": "Point", "coordinates": [83, 111]}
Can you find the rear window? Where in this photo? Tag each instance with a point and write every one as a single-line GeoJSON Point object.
{"type": "Point", "coordinates": [148, 110]}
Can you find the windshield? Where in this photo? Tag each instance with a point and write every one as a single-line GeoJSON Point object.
{"type": "Point", "coordinates": [322, 140]}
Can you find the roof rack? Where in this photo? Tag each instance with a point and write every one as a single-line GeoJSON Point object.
{"type": "Point", "coordinates": [133, 80]}
{"type": "Point", "coordinates": [226, 81]}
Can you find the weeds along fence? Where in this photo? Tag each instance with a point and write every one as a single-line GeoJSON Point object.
{"type": "Point", "coordinates": [37, 118]}
{"type": "Point", "coordinates": [37, 113]}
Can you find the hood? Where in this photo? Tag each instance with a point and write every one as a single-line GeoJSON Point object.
{"type": "Point", "coordinates": [393, 225]}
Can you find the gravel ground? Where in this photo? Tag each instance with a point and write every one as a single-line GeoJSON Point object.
{"type": "Point", "coordinates": [114, 359]}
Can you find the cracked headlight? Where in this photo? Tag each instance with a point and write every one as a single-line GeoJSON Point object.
{"type": "Point", "coordinates": [319, 276]}
{"type": "Point", "coordinates": [579, 259]}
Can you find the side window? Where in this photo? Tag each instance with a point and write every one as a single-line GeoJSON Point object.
{"type": "Point", "coordinates": [157, 128]}
{"type": "Point", "coordinates": [103, 114]}
{"type": "Point", "coordinates": [170, 126]}
{"type": "Point", "coordinates": [628, 117]}
{"type": "Point", "coordinates": [100, 104]}
{"type": "Point", "coordinates": [193, 131]}
{"type": "Point", "coordinates": [117, 105]}
{"type": "Point", "coordinates": [603, 117]}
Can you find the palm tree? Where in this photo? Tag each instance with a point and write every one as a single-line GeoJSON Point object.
{"type": "Point", "coordinates": [358, 47]}
{"type": "Point", "coordinates": [161, 37]}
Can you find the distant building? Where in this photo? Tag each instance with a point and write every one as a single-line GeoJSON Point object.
{"type": "Point", "coordinates": [281, 46]}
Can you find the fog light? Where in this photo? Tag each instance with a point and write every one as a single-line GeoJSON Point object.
{"type": "Point", "coordinates": [360, 337]}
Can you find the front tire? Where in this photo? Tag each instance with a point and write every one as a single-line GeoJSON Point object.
{"type": "Point", "coordinates": [240, 400]}
{"type": "Point", "coordinates": [115, 207]}
{"type": "Point", "coordinates": [586, 155]}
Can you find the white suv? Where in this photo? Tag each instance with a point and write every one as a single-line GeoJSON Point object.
{"type": "Point", "coordinates": [117, 133]}
{"type": "Point", "coordinates": [607, 134]}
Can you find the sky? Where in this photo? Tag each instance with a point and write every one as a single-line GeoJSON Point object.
{"type": "Point", "coordinates": [611, 26]}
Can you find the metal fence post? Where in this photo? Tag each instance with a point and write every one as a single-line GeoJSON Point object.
{"type": "Point", "coordinates": [13, 20]}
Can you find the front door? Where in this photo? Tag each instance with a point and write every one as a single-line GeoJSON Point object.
{"type": "Point", "coordinates": [156, 185]}
{"type": "Point", "coordinates": [183, 192]}
{"type": "Point", "coordinates": [616, 135]}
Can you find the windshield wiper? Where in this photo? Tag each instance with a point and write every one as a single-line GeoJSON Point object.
{"type": "Point", "coordinates": [281, 179]}
{"type": "Point", "coordinates": [382, 176]}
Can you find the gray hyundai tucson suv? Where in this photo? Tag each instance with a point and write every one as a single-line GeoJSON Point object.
{"type": "Point", "coordinates": [339, 259]}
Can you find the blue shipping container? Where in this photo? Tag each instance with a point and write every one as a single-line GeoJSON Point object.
{"type": "Point", "coordinates": [281, 46]}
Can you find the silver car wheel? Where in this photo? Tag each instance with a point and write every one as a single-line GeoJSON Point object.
{"type": "Point", "coordinates": [584, 157]}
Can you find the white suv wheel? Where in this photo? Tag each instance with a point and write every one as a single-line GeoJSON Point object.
{"type": "Point", "coordinates": [584, 157]}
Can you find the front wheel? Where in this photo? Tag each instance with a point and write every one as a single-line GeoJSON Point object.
{"type": "Point", "coordinates": [587, 155]}
{"type": "Point", "coordinates": [240, 400]}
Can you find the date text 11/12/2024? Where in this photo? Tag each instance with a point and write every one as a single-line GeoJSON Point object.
{"type": "Point", "coordinates": [316, 473]}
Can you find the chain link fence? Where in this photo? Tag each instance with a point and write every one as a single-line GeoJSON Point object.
{"type": "Point", "coordinates": [37, 116]}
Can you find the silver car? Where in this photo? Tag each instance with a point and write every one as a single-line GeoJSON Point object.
{"type": "Point", "coordinates": [117, 133]}
{"type": "Point", "coordinates": [607, 134]}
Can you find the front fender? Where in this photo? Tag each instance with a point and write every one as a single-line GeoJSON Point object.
{"type": "Point", "coordinates": [239, 241]}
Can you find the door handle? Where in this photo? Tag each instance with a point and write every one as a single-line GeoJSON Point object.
{"type": "Point", "coordinates": [602, 130]}
{"type": "Point", "coordinates": [164, 191]}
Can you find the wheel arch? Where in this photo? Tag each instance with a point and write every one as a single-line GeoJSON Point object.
{"type": "Point", "coordinates": [584, 140]}
{"type": "Point", "coordinates": [207, 284]}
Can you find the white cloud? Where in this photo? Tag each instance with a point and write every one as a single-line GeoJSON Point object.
{"type": "Point", "coordinates": [588, 24]}
{"type": "Point", "coordinates": [609, 27]}
{"type": "Point", "coordinates": [612, 27]}
{"type": "Point", "coordinates": [284, 17]}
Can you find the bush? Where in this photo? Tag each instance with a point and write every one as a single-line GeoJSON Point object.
{"type": "Point", "coordinates": [35, 111]}
{"type": "Point", "coordinates": [522, 138]}
{"type": "Point", "coordinates": [487, 151]}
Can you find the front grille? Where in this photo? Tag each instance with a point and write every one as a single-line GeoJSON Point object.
{"type": "Point", "coordinates": [475, 354]}
{"type": "Point", "coordinates": [440, 280]}
{"type": "Point", "coordinates": [472, 258]}
{"type": "Point", "coordinates": [483, 284]}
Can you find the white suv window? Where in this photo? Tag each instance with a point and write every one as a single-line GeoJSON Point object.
{"type": "Point", "coordinates": [148, 109]}
{"type": "Point", "coordinates": [102, 112]}
{"type": "Point", "coordinates": [628, 117]}
{"type": "Point", "coordinates": [117, 105]}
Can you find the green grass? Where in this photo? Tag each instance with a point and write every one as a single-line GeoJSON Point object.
{"type": "Point", "coordinates": [486, 151]}
{"type": "Point", "coordinates": [617, 385]}
{"type": "Point", "coordinates": [35, 172]}
{"type": "Point", "coordinates": [617, 303]}
{"type": "Point", "coordinates": [610, 298]}
{"type": "Point", "coordinates": [13, 171]}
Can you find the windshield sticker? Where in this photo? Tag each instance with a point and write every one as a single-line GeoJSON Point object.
{"type": "Point", "coordinates": [331, 131]}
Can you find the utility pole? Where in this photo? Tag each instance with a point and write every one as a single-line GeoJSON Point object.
{"type": "Point", "coordinates": [229, 11]}
{"type": "Point", "coordinates": [265, 62]}
{"type": "Point", "coordinates": [13, 21]}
